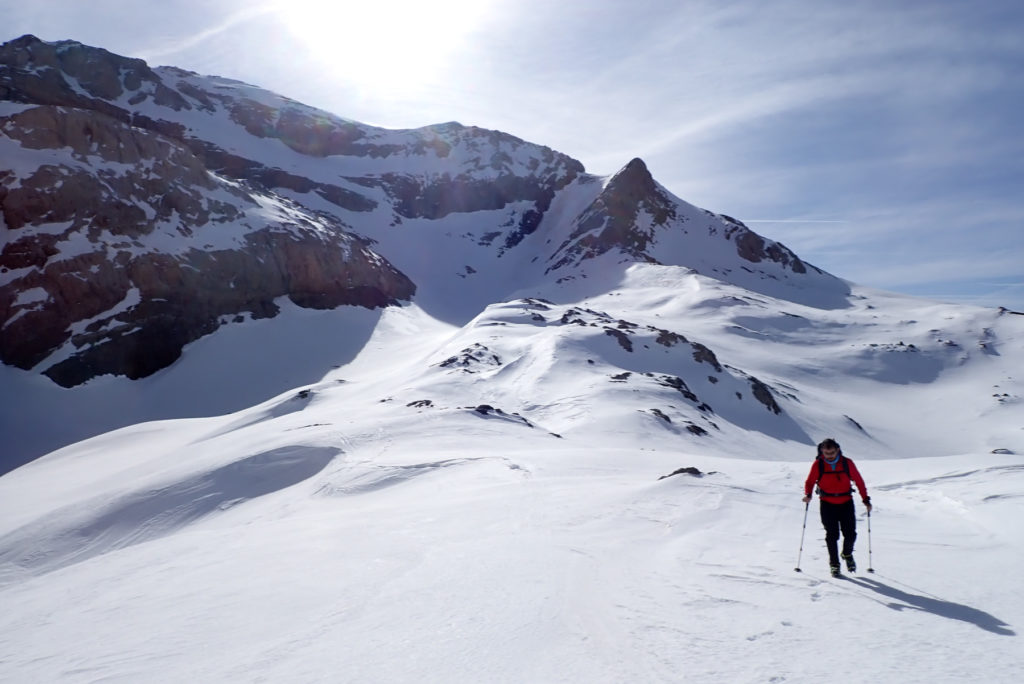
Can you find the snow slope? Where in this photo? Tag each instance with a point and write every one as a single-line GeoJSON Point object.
{"type": "Point", "coordinates": [483, 503]}
{"type": "Point", "coordinates": [394, 562]}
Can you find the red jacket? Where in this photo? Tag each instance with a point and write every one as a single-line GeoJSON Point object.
{"type": "Point", "coordinates": [834, 484]}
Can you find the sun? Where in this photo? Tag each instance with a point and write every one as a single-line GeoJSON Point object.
{"type": "Point", "coordinates": [383, 45]}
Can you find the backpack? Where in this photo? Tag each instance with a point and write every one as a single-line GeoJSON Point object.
{"type": "Point", "coordinates": [844, 467]}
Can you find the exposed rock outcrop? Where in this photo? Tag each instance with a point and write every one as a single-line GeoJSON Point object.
{"type": "Point", "coordinates": [120, 246]}
{"type": "Point", "coordinates": [610, 222]}
{"type": "Point", "coordinates": [633, 209]}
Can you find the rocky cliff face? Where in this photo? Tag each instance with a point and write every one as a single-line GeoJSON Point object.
{"type": "Point", "coordinates": [144, 208]}
{"type": "Point", "coordinates": [120, 245]}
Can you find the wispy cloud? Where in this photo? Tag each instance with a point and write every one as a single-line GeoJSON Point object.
{"type": "Point", "coordinates": [173, 46]}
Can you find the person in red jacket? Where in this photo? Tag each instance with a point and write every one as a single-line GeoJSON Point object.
{"type": "Point", "coordinates": [835, 476]}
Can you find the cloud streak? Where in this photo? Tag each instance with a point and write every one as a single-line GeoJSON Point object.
{"type": "Point", "coordinates": [170, 47]}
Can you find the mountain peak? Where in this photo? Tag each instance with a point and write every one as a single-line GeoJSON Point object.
{"type": "Point", "coordinates": [611, 220]}
{"type": "Point", "coordinates": [633, 188]}
{"type": "Point", "coordinates": [633, 176]}
{"type": "Point", "coordinates": [635, 165]}
{"type": "Point", "coordinates": [22, 41]}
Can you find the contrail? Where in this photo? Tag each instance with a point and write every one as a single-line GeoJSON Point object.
{"type": "Point", "coordinates": [233, 20]}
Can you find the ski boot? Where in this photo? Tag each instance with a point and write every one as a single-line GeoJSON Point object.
{"type": "Point", "coordinates": [834, 569]}
{"type": "Point", "coordinates": [851, 565]}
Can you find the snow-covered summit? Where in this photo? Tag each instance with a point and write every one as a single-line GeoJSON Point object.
{"type": "Point", "coordinates": [146, 210]}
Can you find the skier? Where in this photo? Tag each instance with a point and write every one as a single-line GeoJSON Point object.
{"type": "Point", "coordinates": [835, 474]}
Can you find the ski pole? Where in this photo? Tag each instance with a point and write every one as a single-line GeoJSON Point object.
{"type": "Point", "coordinates": [870, 568]}
{"type": "Point", "coordinates": [800, 555]}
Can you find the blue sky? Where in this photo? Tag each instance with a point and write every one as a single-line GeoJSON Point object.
{"type": "Point", "coordinates": [880, 141]}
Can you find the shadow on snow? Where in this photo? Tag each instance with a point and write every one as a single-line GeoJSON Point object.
{"type": "Point", "coordinates": [936, 606]}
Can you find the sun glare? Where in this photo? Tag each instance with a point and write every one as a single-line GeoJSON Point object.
{"type": "Point", "coordinates": [383, 45]}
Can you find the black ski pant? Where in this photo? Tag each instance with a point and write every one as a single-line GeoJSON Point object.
{"type": "Point", "coordinates": [839, 517]}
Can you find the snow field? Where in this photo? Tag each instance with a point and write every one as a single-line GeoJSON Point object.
{"type": "Point", "coordinates": [520, 563]}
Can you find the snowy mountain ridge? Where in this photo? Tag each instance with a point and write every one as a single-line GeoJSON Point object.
{"type": "Point", "coordinates": [133, 194]}
{"type": "Point", "coordinates": [440, 406]}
